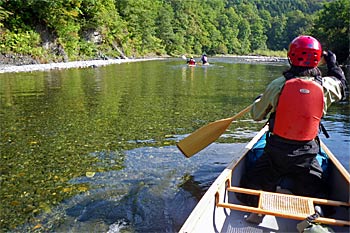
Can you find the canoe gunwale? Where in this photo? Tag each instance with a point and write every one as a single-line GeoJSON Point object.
{"type": "Point", "coordinates": [336, 163]}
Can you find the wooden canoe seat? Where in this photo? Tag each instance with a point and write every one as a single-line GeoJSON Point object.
{"type": "Point", "coordinates": [283, 205]}
{"type": "Point", "coordinates": [286, 204]}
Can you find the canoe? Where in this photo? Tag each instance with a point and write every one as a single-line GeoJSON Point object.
{"type": "Point", "coordinates": [220, 211]}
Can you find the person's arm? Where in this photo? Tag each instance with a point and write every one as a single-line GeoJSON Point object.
{"type": "Point", "coordinates": [268, 101]}
{"type": "Point", "coordinates": [334, 70]}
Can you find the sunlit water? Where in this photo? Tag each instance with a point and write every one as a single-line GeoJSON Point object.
{"type": "Point", "coordinates": [93, 150]}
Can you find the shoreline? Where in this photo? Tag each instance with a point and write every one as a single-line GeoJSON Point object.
{"type": "Point", "coordinates": [67, 65]}
{"type": "Point", "coordinates": [5, 68]}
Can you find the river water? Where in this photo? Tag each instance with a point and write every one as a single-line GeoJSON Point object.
{"type": "Point", "coordinates": [93, 149]}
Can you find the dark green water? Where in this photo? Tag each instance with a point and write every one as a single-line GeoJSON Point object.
{"type": "Point", "coordinates": [92, 150]}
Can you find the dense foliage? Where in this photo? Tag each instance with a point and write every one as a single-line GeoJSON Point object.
{"type": "Point", "coordinates": [83, 29]}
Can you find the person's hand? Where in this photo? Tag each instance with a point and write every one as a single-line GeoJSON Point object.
{"type": "Point", "coordinates": [258, 97]}
{"type": "Point", "coordinates": [330, 58]}
{"type": "Point", "coordinates": [334, 70]}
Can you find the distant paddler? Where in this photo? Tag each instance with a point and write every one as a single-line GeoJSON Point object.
{"type": "Point", "coordinates": [204, 60]}
{"type": "Point", "coordinates": [191, 61]}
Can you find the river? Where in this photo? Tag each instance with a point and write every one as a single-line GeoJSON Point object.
{"type": "Point", "coordinates": [93, 149]}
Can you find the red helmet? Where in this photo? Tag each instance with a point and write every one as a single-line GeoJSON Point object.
{"type": "Point", "coordinates": [305, 51]}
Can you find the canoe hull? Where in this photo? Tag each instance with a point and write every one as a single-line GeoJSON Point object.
{"type": "Point", "coordinates": [207, 217]}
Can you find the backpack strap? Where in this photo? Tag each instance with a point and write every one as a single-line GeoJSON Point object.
{"type": "Point", "coordinates": [324, 131]}
{"type": "Point", "coordinates": [318, 79]}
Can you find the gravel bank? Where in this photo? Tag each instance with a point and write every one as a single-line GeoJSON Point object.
{"type": "Point", "coordinates": [20, 67]}
{"type": "Point", "coordinates": [67, 65]}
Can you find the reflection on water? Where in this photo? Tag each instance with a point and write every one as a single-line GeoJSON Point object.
{"type": "Point", "coordinates": [93, 149]}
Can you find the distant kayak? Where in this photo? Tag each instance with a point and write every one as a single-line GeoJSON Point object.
{"type": "Point", "coordinates": [199, 64]}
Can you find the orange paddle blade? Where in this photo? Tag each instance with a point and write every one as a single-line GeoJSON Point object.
{"type": "Point", "coordinates": [207, 134]}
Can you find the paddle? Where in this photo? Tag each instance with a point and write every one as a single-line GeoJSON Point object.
{"type": "Point", "coordinates": [207, 134]}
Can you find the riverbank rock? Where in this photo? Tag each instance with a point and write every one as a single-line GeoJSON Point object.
{"type": "Point", "coordinates": [17, 60]}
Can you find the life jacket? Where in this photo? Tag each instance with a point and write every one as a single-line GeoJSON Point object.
{"type": "Point", "coordinates": [299, 110]}
{"type": "Point", "coordinates": [191, 62]}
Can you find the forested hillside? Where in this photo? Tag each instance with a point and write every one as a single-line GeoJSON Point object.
{"type": "Point", "coordinates": [56, 30]}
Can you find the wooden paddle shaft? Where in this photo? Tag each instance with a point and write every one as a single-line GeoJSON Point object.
{"type": "Point", "coordinates": [204, 136]}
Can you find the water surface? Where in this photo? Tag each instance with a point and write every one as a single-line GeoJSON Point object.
{"type": "Point", "coordinates": [93, 149]}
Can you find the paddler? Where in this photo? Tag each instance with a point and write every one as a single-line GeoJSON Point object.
{"type": "Point", "coordinates": [204, 59]}
{"type": "Point", "coordinates": [191, 61]}
{"type": "Point", "coordinates": [294, 105]}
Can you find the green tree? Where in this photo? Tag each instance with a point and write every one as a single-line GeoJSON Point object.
{"type": "Point", "coordinates": [102, 16]}
{"type": "Point", "coordinates": [141, 23]}
{"type": "Point", "coordinates": [165, 30]}
{"type": "Point", "coordinates": [297, 24]}
{"type": "Point", "coordinates": [3, 15]}
{"type": "Point", "coordinates": [332, 28]}
{"type": "Point", "coordinates": [211, 38]}
{"type": "Point", "coordinates": [256, 36]}
{"type": "Point", "coordinates": [276, 37]}
{"type": "Point", "coordinates": [243, 37]}
{"type": "Point", "coordinates": [137, 28]}
{"type": "Point", "coordinates": [186, 25]}
{"type": "Point", "coordinates": [60, 16]}
{"type": "Point", "coordinates": [228, 25]}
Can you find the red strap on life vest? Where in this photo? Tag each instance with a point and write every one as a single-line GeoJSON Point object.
{"type": "Point", "coordinates": [299, 110]}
